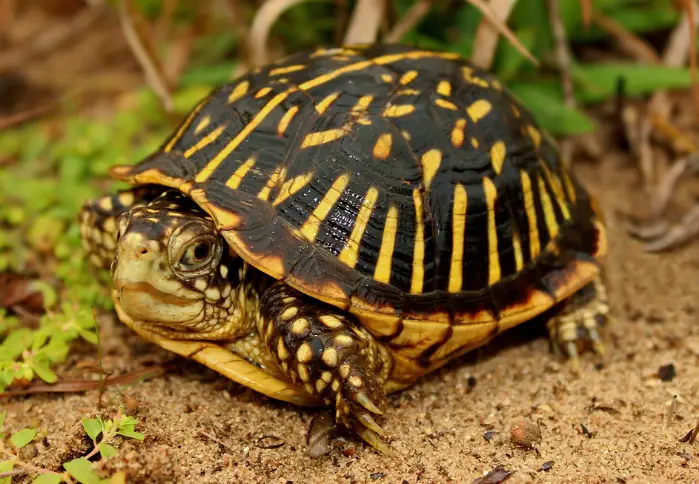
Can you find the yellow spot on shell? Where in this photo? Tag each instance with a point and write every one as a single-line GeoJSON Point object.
{"type": "Point", "coordinates": [323, 105]}
{"type": "Point", "coordinates": [350, 253]}
{"type": "Point", "coordinates": [239, 91]}
{"type": "Point", "coordinates": [323, 137]}
{"type": "Point", "coordinates": [287, 70]}
{"type": "Point", "coordinates": [418, 276]}
{"type": "Point", "coordinates": [408, 91]}
{"type": "Point", "coordinates": [263, 92]}
{"type": "Point", "coordinates": [363, 103]}
{"type": "Point", "coordinates": [238, 175]}
{"type": "Point", "coordinates": [382, 148]}
{"type": "Point", "coordinates": [493, 255]}
{"type": "Point", "coordinates": [498, 153]}
{"type": "Point", "coordinates": [311, 226]}
{"type": "Point", "coordinates": [398, 110]}
{"type": "Point", "coordinates": [386, 77]}
{"type": "Point", "coordinates": [382, 273]}
{"type": "Point", "coordinates": [286, 119]}
{"type": "Point", "coordinates": [444, 88]}
{"type": "Point", "coordinates": [534, 244]}
{"type": "Point", "coordinates": [202, 124]}
{"type": "Point", "coordinates": [408, 77]}
{"type": "Point", "coordinates": [443, 103]}
{"type": "Point", "coordinates": [471, 78]}
{"type": "Point", "coordinates": [457, 134]}
{"type": "Point", "coordinates": [431, 161]}
{"type": "Point", "coordinates": [535, 135]}
{"type": "Point", "coordinates": [479, 109]}
{"type": "Point", "coordinates": [458, 236]}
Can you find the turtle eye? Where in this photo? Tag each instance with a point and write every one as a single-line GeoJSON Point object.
{"type": "Point", "coordinates": [198, 253]}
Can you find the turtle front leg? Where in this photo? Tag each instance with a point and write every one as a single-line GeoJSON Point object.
{"type": "Point", "coordinates": [330, 355]}
{"type": "Point", "coordinates": [99, 222]}
{"type": "Point", "coordinates": [580, 321]}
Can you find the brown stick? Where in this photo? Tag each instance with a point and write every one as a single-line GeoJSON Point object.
{"type": "Point", "coordinates": [411, 18]}
{"type": "Point", "coordinates": [365, 22]}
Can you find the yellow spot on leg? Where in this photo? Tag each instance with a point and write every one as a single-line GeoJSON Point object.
{"type": "Point", "coordinates": [388, 242]}
{"type": "Point", "coordinates": [329, 357]}
{"type": "Point", "coordinates": [350, 253]}
{"type": "Point", "coordinates": [458, 236]}
{"type": "Point", "coordinates": [493, 254]}
{"type": "Point", "coordinates": [289, 313]}
{"type": "Point", "coordinates": [304, 354]}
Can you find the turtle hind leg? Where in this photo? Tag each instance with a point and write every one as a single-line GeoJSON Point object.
{"type": "Point", "coordinates": [579, 322]}
{"type": "Point", "coordinates": [330, 355]}
{"type": "Point", "coordinates": [99, 219]}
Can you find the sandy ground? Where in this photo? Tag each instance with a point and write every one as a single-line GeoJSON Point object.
{"type": "Point", "coordinates": [610, 425]}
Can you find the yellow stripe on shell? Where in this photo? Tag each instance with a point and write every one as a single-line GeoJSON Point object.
{"type": "Point", "coordinates": [239, 91]}
{"type": "Point", "coordinates": [204, 142]}
{"type": "Point", "coordinates": [382, 148]}
{"type": "Point", "coordinates": [479, 109]}
{"type": "Point", "coordinates": [535, 136]}
{"type": "Point", "coordinates": [310, 227]}
{"type": "Point", "coordinates": [263, 92]}
{"type": "Point", "coordinates": [323, 137]}
{"type": "Point", "coordinates": [287, 70]}
{"type": "Point", "coordinates": [286, 119]}
{"type": "Point", "coordinates": [185, 124]}
{"type": "Point", "coordinates": [408, 77]}
{"type": "Point", "coordinates": [323, 105]}
{"type": "Point", "coordinates": [498, 153]}
{"type": "Point", "coordinates": [430, 161]}
{"type": "Point", "coordinates": [350, 253]}
{"type": "Point", "coordinates": [382, 273]}
{"type": "Point", "coordinates": [568, 183]}
{"type": "Point", "coordinates": [517, 249]}
{"type": "Point", "coordinates": [547, 206]}
{"type": "Point", "coordinates": [398, 110]}
{"type": "Point", "coordinates": [418, 277]}
{"type": "Point", "coordinates": [458, 231]}
{"type": "Point", "coordinates": [271, 183]}
{"type": "Point", "coordinates": [528, 195]}
{"type": "Point", "coordinates": [292, 186]}
{"type": "Point", "coordinates": [363, 103]}
{"type": "Point", "coordinates": [557, 186]}
{"type": "Point", "coordinates": [491, 195]}
{"type": "Point", "coordinates": [238, 175]}
{"type": "Point", "coordinates": [443, 103]}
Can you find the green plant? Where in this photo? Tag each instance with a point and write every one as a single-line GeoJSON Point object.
{"type": "Point", "coordinates": [102, 432]}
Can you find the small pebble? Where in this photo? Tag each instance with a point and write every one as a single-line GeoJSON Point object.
{"type": "Point", "coordinates": [525, 434]}
{"type": "Point", "coordinates": [667, 372]}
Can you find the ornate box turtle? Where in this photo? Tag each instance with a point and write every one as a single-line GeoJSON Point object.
{"type": "Point", "coordinates": [329, 228]}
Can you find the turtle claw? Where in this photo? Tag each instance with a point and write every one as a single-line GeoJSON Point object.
{"type": "Point", "coordinates": [373, 439]}
{"type": "Point", "coordinates": [366, 420]}
{"type": "Point", "coordinates": [362, 399]}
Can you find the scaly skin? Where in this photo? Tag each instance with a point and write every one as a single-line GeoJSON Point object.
{"type": "Point", "coordinates": [175, 275]}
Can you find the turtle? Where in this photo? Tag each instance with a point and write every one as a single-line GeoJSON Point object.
{"type": "Point", "coordinates": [333, 226]}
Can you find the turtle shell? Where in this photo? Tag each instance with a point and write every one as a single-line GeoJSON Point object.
{"type": "Point", "coordinates": [405, 186]}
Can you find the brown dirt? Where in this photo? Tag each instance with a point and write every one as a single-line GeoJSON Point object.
{"type": "Point", "coordinates": [610, 425]}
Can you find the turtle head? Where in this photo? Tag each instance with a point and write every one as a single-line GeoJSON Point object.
{"type": "Point", "coordinates": [174, 274]}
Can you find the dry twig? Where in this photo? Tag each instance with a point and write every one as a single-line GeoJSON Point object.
{"type": "Point", "coordinates": [411, 18]}
{"type": "Point", "coordinates": [265, 18]}
{"type": "Point", "coordinates": [365, 22]}
{"type": "Point", "coordinates": [493, 25]}
{"type": "Point", "coordinates": [7, 122]}
{"type": "Point", "coordinates": [629, 43]}
{"type": "Point", "coordinates": [140, 44]}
